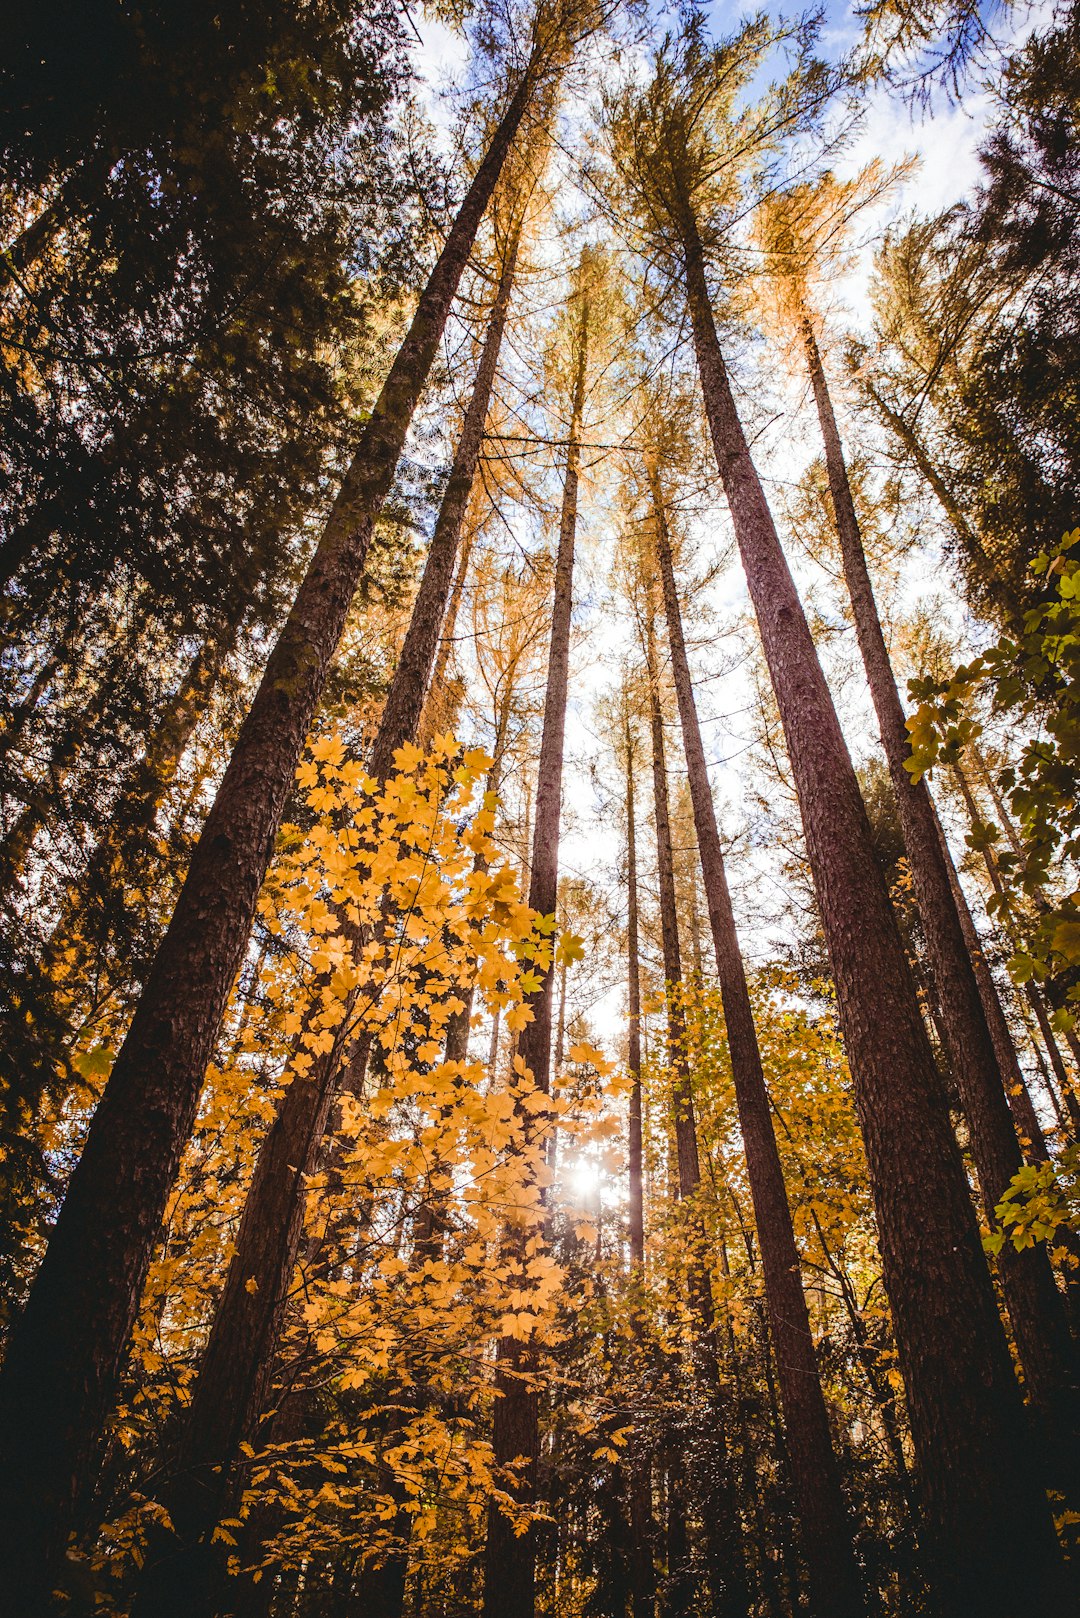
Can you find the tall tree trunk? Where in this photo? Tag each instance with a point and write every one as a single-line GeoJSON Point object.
{"type": "Point", "coordinates": [1035, 1305]}
{"type": "Point", "coordinates": [725, 1551]}
{"type": "Point", "coordinates": [928, 469]}
{"type": "Point", "coordinates": [405, 698]}
{"type": "Point", "coordinates": [686, 1147]}
{"type": "Point", "coordinates": [510, 1558]}
{"type": "Point", "coordinates": [835, 1586]}
{"type": "Point", "coordinates": [633, 975]}
{"type": "Point", "coordinates": [65, 1355]}
{"type": "Point", "coordinates": [435, 702]}
{"type": "Point", "coordinates": [229, 1391]}
{"type": "Point", "coordinates": [639, 1481]}
{"type": "Point", "coordinates": [967, 1417]}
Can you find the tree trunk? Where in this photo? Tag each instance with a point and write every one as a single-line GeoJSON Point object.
{"type": "Point", "coordinates": [639, 1484]}
{"type": "Point", "coordinates": [405, 698]}
{"type": "Point", "coordinates": [229, 1392]}
{"type": "Point", "coordinates": [682, 1094]}
{"type": "Point", "coordinates": [835, 1586]}
{"type": "Point", "coordinates": [65, 1355]}
{"type": "Point", "coordinates": [633, 973]}
{"type": "Point", "coordinates": [436, 701]}
{"type": "Point", "coordinates": [1035, 1305]}
{"type": "Point", "coordinates": [509, 1558]}
{"type": "Point", "coordinates": [966, 1413]}
{"type": "Point", "coordinates": [725, 1552]}
{"type": "Point", "coordinates": [928, 469]}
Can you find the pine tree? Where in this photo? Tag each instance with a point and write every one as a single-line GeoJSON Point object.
{"type": "Point", "coordinates": [793, 228]}
{"type": "Point", "coordinates": [510, 1558]}
{"type": "Point", "coordinates": [966, 1413]}
{"type": "Point", "coordinates": [826, 1533]}
{"type": "Point", "coordinates": [63, 1360]}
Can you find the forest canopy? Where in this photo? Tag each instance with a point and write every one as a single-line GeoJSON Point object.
{"type": "Point", "coordinates": [539, 831]}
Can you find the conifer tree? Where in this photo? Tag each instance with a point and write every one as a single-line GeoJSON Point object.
{"type": "Point", "coordinates": [64, 1357]}
{"type": "Point", "coordinates": [799, 232]}
{"type": "Point", "coordinates": [510, 1557]}
{"type": "Point", "coordinates": [676, 151]}
{"type": "Point", "coordinates": [725, 1550]}
{"type": "Point", "coordinates": [230, 1390]}
{"type": "Point", "coordinates": [834, 1578]}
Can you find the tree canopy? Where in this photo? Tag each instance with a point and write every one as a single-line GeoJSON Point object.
{"type": "Point", "coordinates": [539, 767]}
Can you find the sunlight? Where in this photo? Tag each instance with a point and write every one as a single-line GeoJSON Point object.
{"type": "Point", "coordinates": [585, 1178]}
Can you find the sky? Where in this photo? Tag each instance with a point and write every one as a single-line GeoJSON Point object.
{"type": "Point", "coordinates": [945, 141]}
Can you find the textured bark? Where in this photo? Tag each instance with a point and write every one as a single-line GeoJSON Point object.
{"type": "Point", "coordinates": [967, 1417]}
{"type": "Point", "coordinates": [65, 1355]}
{"type": "Point", "coordinates": [725, 1551]}
{"type": "Point", "coordinates": [1035, 1305]}
{"type": "Point", "coordinates": [642, 1532]}
{"type": "Point", "coordinates": [767, 1581]}
{"type": "Point", "coordinates": [405, 698]}
{"type": "Point", "coordinates": [682, 1094]}
{"type": "Point", "coordinates": [438, 698]}
{"type": "Point", "coordinates": [835, 1588]}
{"type": "Point", "coordinates": [509, 1558]}
{"type": "Point", "coordinates": [639, 1482]}
{"type": "Point", "coordinates": [460, 1023]}
{"type": "Point", "coordinates": [633, 975]}
{"type": "Point", "coordinates": [535, 1043]}
{"type": "Point", "coordinates": [230, 1389]}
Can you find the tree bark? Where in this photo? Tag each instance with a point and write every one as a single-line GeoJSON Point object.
{"type": "Point", "coordinates": [1035, 1305]}
{"type": "Point", "coordinates": [65, 1355]}
{"type": "Point", "coordinates": [509, 1558]}
{"type": "Point", "coordinates": [967, 1417]}
{"type": "Point", "coordinates": [405, 698]}
{"type": "Point", "coordinates": [725, 1551]}
{"type": "Point", "coordinates": [228, 1394]}
{"type": "Point", "coordinates": [633, 974]}
{"type": "Point", "coordinates": [682, 1094]}
{"type": "Point", "coordinates": [835, 1585]}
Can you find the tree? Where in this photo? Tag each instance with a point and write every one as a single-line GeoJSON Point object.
{"type": "Point", "coordinates": [708, 1465]}
{"type": "Point", "coordinates": [676, 159]}
{"type": "Point", "coordinates": [801, 231]}
{"type": "Point", "coordinates": [509, 1558]}
{"type": "Point", "coordinates": [79, 1315]}
{"type": "Point", "coordinates": [826, 1535]}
